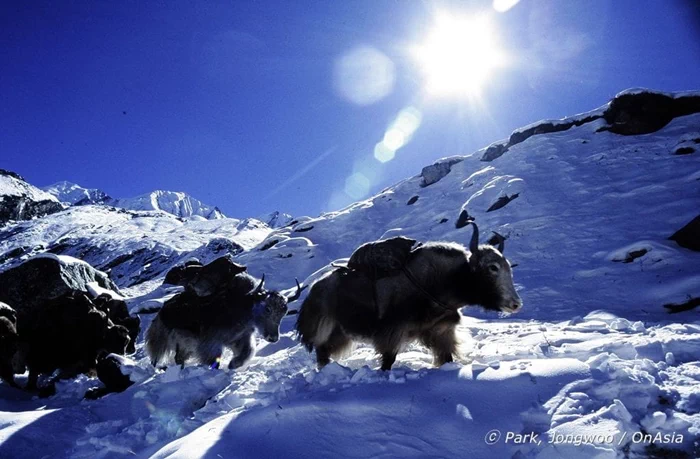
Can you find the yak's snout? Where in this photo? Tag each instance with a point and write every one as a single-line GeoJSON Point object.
{"type": "Point", "coordinates": [512, 305]}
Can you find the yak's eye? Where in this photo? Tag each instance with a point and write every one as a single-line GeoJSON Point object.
{"type": "Point", "coordinates": [494, 268]}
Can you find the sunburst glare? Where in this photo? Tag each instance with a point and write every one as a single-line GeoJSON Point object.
{"type": "Point", "coordinates": [458, 55]}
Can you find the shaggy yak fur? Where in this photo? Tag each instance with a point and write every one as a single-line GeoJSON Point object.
{"type": "Point", "coordinates": [420, 302]}
{"type": "Point", "coordinates": [195, 327]}
{"type": "Point", "coordinates": [9, 342]}
{"type": "Point", "coordinates": [68, 335]}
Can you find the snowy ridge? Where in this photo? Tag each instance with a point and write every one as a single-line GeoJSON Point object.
{"type": "Point", "coordinates": [133, 247]}
{"type": "Point", "coordinates": [13, 185]}
{"type": "Point", "coordinates": [176, 203]}
{"type": "Point", "coordinates": [71, 193]}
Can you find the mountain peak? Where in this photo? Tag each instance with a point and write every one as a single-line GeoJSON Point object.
{"type": "Point", "coordinates": [177, 203]}
{"type": "Point", "coordinates": [74, 194]}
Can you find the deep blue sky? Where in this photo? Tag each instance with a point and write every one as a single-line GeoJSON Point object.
{"type": "Point", "coordinates": [229, 100]}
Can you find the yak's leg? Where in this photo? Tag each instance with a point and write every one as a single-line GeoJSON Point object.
{"type": "Point", "coordinates": [388, 345]}
{"type": "Point", "coordinates": [242, 350]}
{"type": "Point", "coordinates": [32, 380]}
{"type": "Point", "coordinates": [207, 352]}
{"type": "Point", "coordinates": [441, 340]}
{"type": "Point", "coordinates": [388, 359]}
{"type": "Point", "coordinates": [7, 375]}
{"type": "Point", "coordinates": [337, 342]}
{"type": "Point", "coordinates": [181, 355]}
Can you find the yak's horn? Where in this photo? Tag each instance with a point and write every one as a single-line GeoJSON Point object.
{"type": "Point", "coordinates": [258, 290]}
{"type": "Point", "coordinates": [474, 243]}
{"type": "Point", "coordinates": [296, 294]}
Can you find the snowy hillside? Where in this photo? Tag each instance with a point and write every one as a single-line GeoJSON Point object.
{"type": "Point", "coordinates": [593, 366]}
{"type": "Point", "coordinates": [132, 246]}
{"type": "Point", "coordinates": [71, 193]}
{"type": "Point", "coordinates": [173, 202]}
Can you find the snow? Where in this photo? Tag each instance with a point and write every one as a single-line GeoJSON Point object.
{"type": "Point", "coordinates": [173, 202]}
{"type": "Point", "coordinates": [593, 365]}
{"type": "Point", "coordinates": [71, 193]}
{"type": "Point", "coordinates": [11, 186]}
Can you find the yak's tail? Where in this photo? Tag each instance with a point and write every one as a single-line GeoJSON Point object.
{"type": "Point", "coordinates": [314, 325]}
{"type": "Point", "coordinates": [157, 341]}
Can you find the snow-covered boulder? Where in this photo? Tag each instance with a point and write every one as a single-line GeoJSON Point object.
{"type": "Point", "coordinates": [21, 201]}
{"type": "Point", "coordinates": [438, 170]}
{"type": "Point", "coordinates": [46, 277]}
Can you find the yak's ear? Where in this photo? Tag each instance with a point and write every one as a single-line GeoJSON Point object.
{"type": "Point", "coordinates": [237, 268]}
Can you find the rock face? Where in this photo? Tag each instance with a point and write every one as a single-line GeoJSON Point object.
{"type": "Point", "coordinates": [46, 277]}
{"type": "Point", "coordinates": [438, 170]}
{"type": "Point", "coordinates": [632, 112]}
{"type": "Point", "coordinates": [643, 112]}
{"type": "Point", "coordinates": [21, 201]}
{"type": "Point", "coordinates": [689, 235]}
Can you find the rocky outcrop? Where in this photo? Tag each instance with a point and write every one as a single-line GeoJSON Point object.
{"type": "Point", "coordinates": [433, 173]}
{"type": "Point", "coordinates": [643, 112]}
{"type": "Point", "coordinates": [632, 112]}
{"type": "Point", "coordinates": [21, 201]}
{"type": "Point", "coordinates": [689, 235]}
{"type": "Point", "coordinates": [46, 277]}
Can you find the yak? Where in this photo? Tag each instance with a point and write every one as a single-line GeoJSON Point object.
{"type": "Point", "coordinates": [192, 326]}
{"type": "Point", "coordinates": [9, 342]}
{"type": "Point", "coordinates": [420, 301]}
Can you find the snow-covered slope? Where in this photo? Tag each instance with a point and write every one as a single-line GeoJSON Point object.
{"type": "Point", "coordinates": [173, 202]}
{"type": "Point", "coordinates": [21, 201]}
{"type": "Point", "coordinates": [276, 219]}
{"type": "Point", "coordinates": [588, 207]}
{"type": "Point", "coordinates": [132, 246]}
{"type": "Point", "coordinates": [73, 194]}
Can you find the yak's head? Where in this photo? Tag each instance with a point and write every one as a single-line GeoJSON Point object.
{"type": "Point", "coordinates": [270, 308]}
{"type": "Point", "coordinates": [493, 286]}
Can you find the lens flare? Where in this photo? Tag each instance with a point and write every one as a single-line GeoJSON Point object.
{"type": "Point", "coordinates": [459, 55]}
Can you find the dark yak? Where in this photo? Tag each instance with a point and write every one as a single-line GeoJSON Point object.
{"type": "Point", "coordinates": [221, 307]}
{"type": "Point", "coordinates": [419, 300]}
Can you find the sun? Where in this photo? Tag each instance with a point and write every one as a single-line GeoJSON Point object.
{"type": "Point", "coordinates": [459, 54]}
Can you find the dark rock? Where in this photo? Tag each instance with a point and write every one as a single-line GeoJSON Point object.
{"type": "Point", "coordinates": [463, 219]}
{"type": "Point", "coordinates": [647, 112]}
{"type": "Point", "coordinates": [412, 201]}
{"type": "Point", "coordinates": [303, 230]}
{"type": "Point", "coordinates": [684, 151]}
{"type": "Point", "coordinates": [687, 306]}
{"type": "Point", "coordinates": [632, 255]}
{"type": "Point", "coordinates": [23, 208]}
{"type": "Point", "coordinates": [497, 150]}
{"type": "Point", "coordinates": [689, 235]}
{"type": "Point", "coordinates": [435, 172]}
{"type": "Point", "coordinates": [443, 220]}
{"type": "Point", "coordinates": [45, 277]}
{"type": "Point", "coordinates": [501, 202]}
{"type": "Point", "coordinates": [269, 244]}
